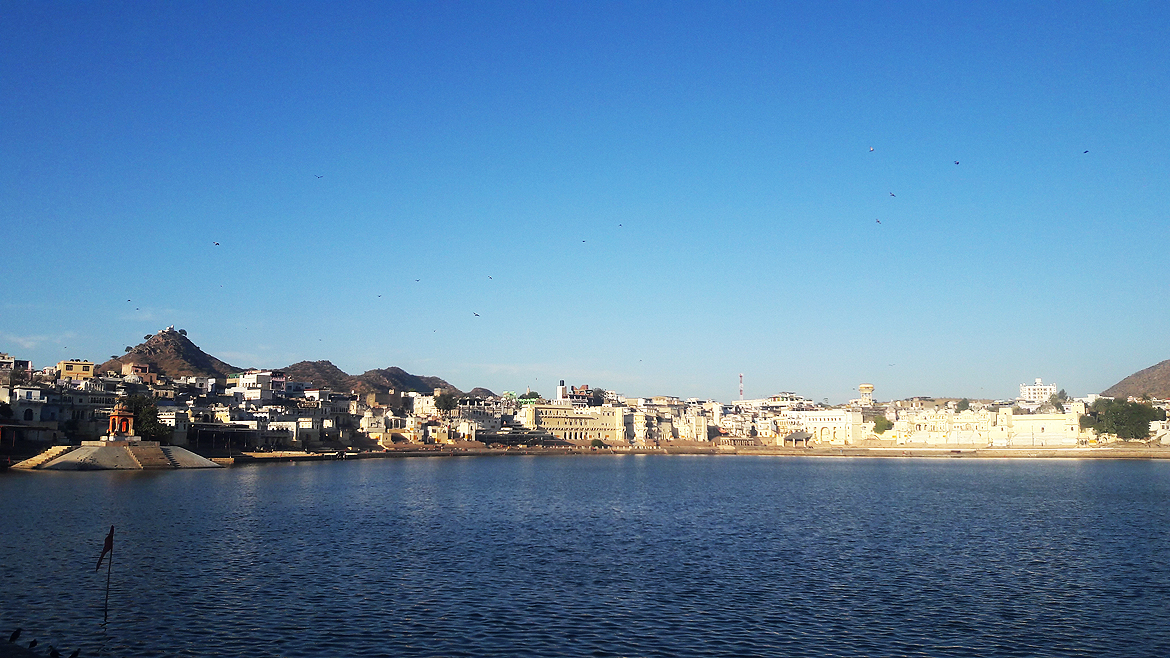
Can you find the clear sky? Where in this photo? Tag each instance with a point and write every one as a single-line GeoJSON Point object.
{"type": "Point", "coordinates": [647, 197]}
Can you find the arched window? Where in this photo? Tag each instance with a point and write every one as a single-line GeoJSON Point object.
{"type": "Point", "coordinates": [28, 415]}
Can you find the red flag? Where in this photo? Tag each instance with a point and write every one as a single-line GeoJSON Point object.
{"type": "Point", "coordinates": [107, 548]}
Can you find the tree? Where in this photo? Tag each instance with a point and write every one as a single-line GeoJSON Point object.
{"type": "Point", "coordinates": [146, 422]}
{"type": "Point", "coordinates": [1125, 420]}
{"type": "Point", "coordinates": [128, 348]}
{"type": "Point", "coordinates": [1062, 395]}
{"type": "Point", "coordinates": [597, 443]}
{"type": "Point", "coordinates": [146, 337]}
{"type": "Point", "coordinates": [596, 397]}
{"type": "Point", "coordinates": [446, 401]}
{"type": "Point", "coordinates": [182, 332]}
{"type": "Point", "coordinates": [881, 425]}
{"type": "Point", "coordinates": [530, 395]}
{"type": "Point", "coordinates": [1054, 400]}
{"type": "Point", "coordinates": [963, 405]}
{"type": "Point", "coordinates": [5, 410]}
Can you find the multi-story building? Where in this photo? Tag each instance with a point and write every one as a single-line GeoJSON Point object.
{"type": "Point", "coordinates": [75, 369]}
{"type": "Point", "coordinates": [1038, 392]}
{"type": "Point", "coordinates": [582, 424]}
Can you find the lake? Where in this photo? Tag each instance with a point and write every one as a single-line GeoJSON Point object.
{"type": "Point", "coordinates": [597, 556]}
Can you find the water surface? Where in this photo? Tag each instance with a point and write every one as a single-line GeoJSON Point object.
{"type": "Point", "coordinates": [598, 556]}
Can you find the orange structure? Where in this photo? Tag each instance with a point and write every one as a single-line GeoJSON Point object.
{"type": "Point", "coordinates": [121, 421]}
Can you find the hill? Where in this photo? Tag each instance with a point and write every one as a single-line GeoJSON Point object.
{"type": "Point", "coordinates": [1154, 381]}
{"type": "Point", "coordinates": [172, 354]}
{"type": "Point", "coordinates": [324, 373]}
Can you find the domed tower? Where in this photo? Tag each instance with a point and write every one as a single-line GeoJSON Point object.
{"type": "Point", "coordinates": [866, 391]}
{"type": "Point", "coordinates": [121, 423]}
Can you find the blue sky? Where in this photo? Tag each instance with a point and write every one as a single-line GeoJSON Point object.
{"type": "Point", "coordinates": [664, 195]}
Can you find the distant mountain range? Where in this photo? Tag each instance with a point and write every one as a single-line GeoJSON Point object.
{"type": "Point", "coordinates": [1154, 381]}
{"type": "Point", "coordinates": [172, 354]}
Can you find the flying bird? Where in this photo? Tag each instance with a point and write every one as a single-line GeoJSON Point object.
{"type": "Point", "coordinates": [1086, 151]}
{"type": "Point", "coordinates": [217, 244]}
{"type": "Point", "coordinates": [871, 149]}
{"type": "Point", "coordinates": [956, 162]}
{"type": "Point", "coordinates": [878, 221]}
{"type": "Point", "coordinates": [318, 176]}
{"type": "Point", "coordinates": [892, 194]}
{"type": "Point", "coordinates": [379, 295]}
{"type": "Point", "coordinates": [417, 280]}
{"type": "Point", "coordinates": [475, 314]}
{"type": "Point", "coordinates": [15, 635]}
{"type": "Point", "coordinates": [489, 276]}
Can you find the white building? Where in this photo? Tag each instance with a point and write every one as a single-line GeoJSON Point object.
{"type": "Point", "coordinates": [1038, 392]}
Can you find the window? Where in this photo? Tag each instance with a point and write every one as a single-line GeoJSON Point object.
{"type": "Point", "coordinates": [28, 414]}
{"type": "Point", "coordinates": [69, 367]}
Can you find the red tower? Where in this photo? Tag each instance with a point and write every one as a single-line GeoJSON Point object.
{"type": "Point", "coordinates": [121, 421]}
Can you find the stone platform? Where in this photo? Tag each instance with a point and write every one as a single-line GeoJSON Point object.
{"type": "Point", "coordinates": [125, 455]}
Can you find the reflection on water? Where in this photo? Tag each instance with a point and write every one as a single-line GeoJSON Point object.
{"type": "Point", "coordinates": [614, 555]}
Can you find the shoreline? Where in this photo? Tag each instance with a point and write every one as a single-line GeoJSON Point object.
{"type": "Point", "coordinates": [1102, 452]}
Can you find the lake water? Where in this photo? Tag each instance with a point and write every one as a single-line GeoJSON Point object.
{"type": "Point", "coordinates": [597, 556]}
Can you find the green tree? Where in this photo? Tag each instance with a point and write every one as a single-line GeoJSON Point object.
{"type": "Point", "coordinates": [446, 401]}
{"type": "Point", "coordinates": [1125, 420]}
{"type": "Point", "coordinates": [596, 397]}
{"type": "Point", "coordinates": [146, 422]}
{"type": "Point", "coordinates": [598, 443]}
{"type": "Point", "coordinates": [881, 425]}
{"type": "Point", "coordinates": [1054, 400]}
{"type": "Point", "coordinates": [1062, 395]}
{"type": "Point", "coordinates": [963, 405]}
{"type": "Point", "coordinates": [530, 395]}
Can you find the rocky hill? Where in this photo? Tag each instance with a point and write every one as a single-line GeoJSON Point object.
{"type": "Point", "coordinates": [1154, 381]}
{"type": "Point", "coordinates": [324, 373]}
{"type": "Point", "coordinates": [172, 354]}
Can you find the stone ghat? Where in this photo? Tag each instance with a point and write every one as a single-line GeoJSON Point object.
{"type": "Point", "coordinates": [123, 456]}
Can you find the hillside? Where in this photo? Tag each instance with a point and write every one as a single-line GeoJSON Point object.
{"type": "Point", "coordinates": [324, 373]}
{"type": "Point", "coordinates": [1154, 381]}
{"type": "Point", "coordinates": [172, 354]}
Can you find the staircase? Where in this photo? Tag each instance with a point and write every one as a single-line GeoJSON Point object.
{"type": "Point", "coordinates": [43, 458]}
{"type": "Point", "coordinates": [151, 457]}
{"type": "Point", "coordinates": [166, 450]}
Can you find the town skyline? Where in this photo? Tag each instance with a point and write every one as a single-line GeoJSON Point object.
{"type": "Point", "coordinates": [938, 200]}
{"type": "Point", "coordinates": [134, 354]}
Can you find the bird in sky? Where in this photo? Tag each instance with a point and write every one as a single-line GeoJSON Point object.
{"type": "Point", "coordinates": [379, 295]}
{"type": "Point", "coordinates": [878, 221]}
{"type": "Point", "coordinates": [15, 635]}
{"type": "Point", "coordinates": [475, 314]}
{"type": "Point", "coordinates": [871, 149]}
{"type": "Point", "coordinates": [318, 176]}
{"type": "Point", "coordinates": [619, 225]}
{"type": "Point", "coordinates": [956, 162]}
{"type": "Point", "coordinates": [489, 276]}
{"type": "Point", "coordinates": [417, 280]}
{"type": "Point", "coordinates": [217, 244]}
{"type": "Point", "coordinates": [582, 241]}
{"type": "Point", "coordinates": [892, 194]}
